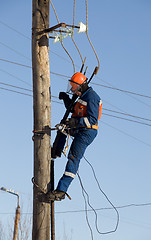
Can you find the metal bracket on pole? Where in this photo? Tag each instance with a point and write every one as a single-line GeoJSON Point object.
{"type": "Point", "coordinates": [67, 29]}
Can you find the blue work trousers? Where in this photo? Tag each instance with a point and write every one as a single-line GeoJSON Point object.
{"type": "Point", "coordinates": [81, 141]}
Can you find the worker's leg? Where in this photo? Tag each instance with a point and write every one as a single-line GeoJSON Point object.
{"type": "Point", "coordinates": [78, 147]}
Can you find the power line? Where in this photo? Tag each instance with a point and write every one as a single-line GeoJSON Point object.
{"type": "Point", "coordinates": [15, 91]}
{"type": "Point", "coordinates": [12, 49]}
{"type": "Point", "coordinates": [23, 65]}
{"type": "Point", "coordinates": [122, 90]}
{"type": "Point", "coordinates": [125, 133]}
{"type": "Point", "coordinates": [15, 77]}
{"type": "Point", "coordinates": [96, 209]}
{"type": "Point", "coordinates": [107, 208]}
{"type": "Point", "coordinates": [126, 114]}
{"type": "Point", "coordinates": [6, 89]}
{"type": "Point", "coordinates": [15, 30]}
{"type": "Point", "coordinates": [65, 76]}
{"type": "Point", "coordinates": [60, 75]}
{"type": "Point", "coordinates": [122, 118]}
{"type": "Point", "coordinates": [16, 87]}
{"type": "Point", "coordinates": [113, 88]}
{"type": "Point", "coordinates": [130, 120]}
{"type": "Point", "coordinates": [121, 131]}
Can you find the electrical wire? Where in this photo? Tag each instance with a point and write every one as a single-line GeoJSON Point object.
{"type": "Point", "coordinates": [99, 209]}
{"type": "Point", "coordinates": [93, 209]}
{"type": "Point", "coordinates": [130, 120]}
{"type": "Point", "coordinates": [113, 88]}
{"type": "Point", "coordinates": [6, 89]}
{"type": "Point", "coordinates": [122, 90]}
{"type": "Point", "coordinates": [101, 85]}
{"type": "Point", "coordinates": [104, 109]}
{"type": "Point", "coordinates": [126, 114]}
{"type": "Point", "coordinates": [15, 30]}
{"type": "Point", "coordinates": [16, 87]}
{"type": "Point", "coordinates": [23, 65]}
{"type": "Point", "coordinates": [89, 37]}
{"type": "Point", "coordinates": [15, 77]}
{"type": "Point", "coordinates": [122, 118]}
{"type": "Point", "coordinates": [108, 208]}
{"type": "Point", "coordinates": [113, 207]}
{"type": "Point", "coordinates": [87, 219]}
{"type": "Point", "coordinates": [125, 133]}
{"type": "Point", "coordinates": [15, 91]}
{"type": "Point", "coordinates": [97, 84]}
{"type": "Point", "coordinates": [61, 37]}
{"type": "Point", "coordinates": [12, 49]}
{"type": "Point", "coordinates": [73, 32]}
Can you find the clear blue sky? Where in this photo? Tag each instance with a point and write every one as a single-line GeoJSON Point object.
{"type": "Point", "coordinates": [121, 34]}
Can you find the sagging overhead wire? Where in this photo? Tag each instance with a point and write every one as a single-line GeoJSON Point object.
{"type": "Point", "coordinates": [104, 109]}
{"type": "Point", "coordinates": [73, 33]}
{"type": "Point", "coordinates": [65, 76]}
{"type": "Point", "coordinates": [86, 211]}
{"type": "Point", "coordinates": [130, 120]}
{"type": "Point", "coordinates": [20, 33]}
{"type": "Point", "coordinates": [15, 77]}
{"type": "Point", "coordinates": [19, 64]}
{"type": "Point", "coordinates": [121, 131]}
{"type": "Point", "coordinates": [122, 90]}
{"type": "Point", "coordinates": [113, 207]}
{"type": "Point", "coordinates": [62, 38]}
{"type": "Point", "coordinates": [127, 134]}
{"type": "Point", "coordinates": [84, 192]}
{"type": "Point", "coordinates": [93, 209]}
{"type": "Point", "coordinates": [82, 28]}
{"type": "Point", "coordinates": [126, 114]}
{"type": "Point", "coordinates": [3, 44]}
{"type": "Point", "coordinates": [97, 68]}
{"type": "Point", "coordinates": [16, 91]}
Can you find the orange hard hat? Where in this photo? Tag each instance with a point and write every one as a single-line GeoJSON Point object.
{"type": "Point", "coordinates": [77, 80]}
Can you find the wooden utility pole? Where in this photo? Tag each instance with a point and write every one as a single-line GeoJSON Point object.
{"type": "Point", "coordinates": [42, 118]}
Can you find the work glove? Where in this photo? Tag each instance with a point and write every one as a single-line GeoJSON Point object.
{"type": "Point", "coordinates": [66, 99]}
{"type": "Point", "coordinates": [63, 95]}
{"type": "Point", "coordinates": [71, 122]}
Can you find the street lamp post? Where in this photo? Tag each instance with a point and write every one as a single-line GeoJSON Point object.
{"type": "Point", "coordinates": [17, 211]}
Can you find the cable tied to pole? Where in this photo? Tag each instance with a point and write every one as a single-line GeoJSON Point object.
{"type": "Point", "coordinates": [96, 68]}
{"type": "Point", "coordinates": [62, 37]}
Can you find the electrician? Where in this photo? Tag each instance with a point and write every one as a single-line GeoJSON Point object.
{"type": "Point", "coordinates": [83, 125]}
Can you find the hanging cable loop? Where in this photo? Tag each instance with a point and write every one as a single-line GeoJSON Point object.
{"type": "Point", "coordinates": [96, 68]}
{"type": "Point", "coordinates": [73, 33]}
{"type": "Point", "coordinates": [62, 38]}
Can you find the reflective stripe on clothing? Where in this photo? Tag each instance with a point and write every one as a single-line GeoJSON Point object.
{"type": "Point", "coordinates": [84, 103]}
{"type": "Point", "coordinates": [69, 174]}
{"type": "Point", "coordinates": [87, 122]}
{"type": "Point", "coordinates": [100, 102]}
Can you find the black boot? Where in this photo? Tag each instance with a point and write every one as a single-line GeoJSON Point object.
{"type": "Point", "coordinates": [55, 195]}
